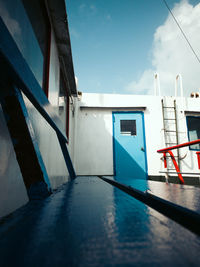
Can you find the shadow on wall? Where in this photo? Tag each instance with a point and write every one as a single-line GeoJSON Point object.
{"type": "Point", "coordinates": [126, 167]}
{"type": "Point", "coordinates": [95, 148]}
{"type": "Point", "coordinates": [12, 189]}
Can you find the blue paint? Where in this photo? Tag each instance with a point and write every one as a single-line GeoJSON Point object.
{"type": "Point", "coordinates": [129, 150]}
{"type": "Point", "coordinates": [90, 223]}
{"type": "Point", "coordinates": [24, 141]}
{"type": "Point", "coordinates": [36, 148]}
{"type": "Point", "coordinates": [14, 66]}
{"type": "Point", "coordinates": [23, 35]}
{"type": "Point", "coordinates": [186, 217]}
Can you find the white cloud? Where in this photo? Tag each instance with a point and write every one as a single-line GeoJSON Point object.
{"type": "Point", "coordinates": [93, 7]}
{"type": "Point", "coordinates": [108, 17]}
{"type": "Point", "coordinates": [82, 7]}
{"type": "Point", "coordinates": [171, 54]}
{"type": "Point", "coordinates": [144, 85]}
{"type": "Point", "coordinates": [74, 33]}
{"type": "Point", "coordinates": [90, 9]}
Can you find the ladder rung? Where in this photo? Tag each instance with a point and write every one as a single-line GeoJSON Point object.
{"type": "Point", "coordinates": [170, 156]}
{"type": "Point", "coordinates": [193, 173]}
{"type": "Point", "coordinates": [168, 131]}
{"type": "Point", "coordinates": [169, 119]}
{"type": "Point", "coordinates": [171, 144]}
{"type": "Point", "coordinates": [169, 107]}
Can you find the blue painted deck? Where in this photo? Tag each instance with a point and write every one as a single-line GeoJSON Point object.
{"type": "Point", "coordinates": [183, 195]}
{"type": "Point", "coordinates": [90, 223]}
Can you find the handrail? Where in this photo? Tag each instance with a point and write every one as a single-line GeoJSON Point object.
{"type": "Point", "coordinates": [168, 150]}
{"type": "Point", "coordinates": [179, 146]}
{"type": "Point", "coordinates": [21, 76]}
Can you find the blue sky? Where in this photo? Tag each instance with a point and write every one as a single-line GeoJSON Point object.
{"type": "Point", "coordinates": [114, 44]}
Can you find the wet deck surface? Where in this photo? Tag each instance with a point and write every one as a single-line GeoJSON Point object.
{"type": "Point", "coordinates": [183, 195]}
{"type": "Point", "coordinates": [90, 223]}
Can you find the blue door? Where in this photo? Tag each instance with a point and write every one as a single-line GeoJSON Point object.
{"type": "Point", "coordinates": [129, 145]}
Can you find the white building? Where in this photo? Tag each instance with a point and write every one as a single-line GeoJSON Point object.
{"type": "Point", "coordinates": [95, 138]}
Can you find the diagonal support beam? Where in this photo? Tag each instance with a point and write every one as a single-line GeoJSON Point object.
{"type": "Point", "coordinates": [27, 152]}
{"type": "Point", "coordinates": [66, 156]}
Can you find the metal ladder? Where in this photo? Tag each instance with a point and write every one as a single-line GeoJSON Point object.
{"type": "Point", "coordinates": [170, 128]}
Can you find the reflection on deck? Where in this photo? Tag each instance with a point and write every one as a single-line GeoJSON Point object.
{"type": "Point", "coordinates": [90, 223]}
{"type": "Point", "coordinates": [183, 195]}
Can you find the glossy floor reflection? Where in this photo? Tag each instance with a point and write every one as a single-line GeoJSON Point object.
{"type": "Point", "coordinates": [184, 195]}
{"type": "Point", "coordinates": [90, 223]}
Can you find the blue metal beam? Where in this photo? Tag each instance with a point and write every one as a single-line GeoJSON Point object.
{"type": "Point", "coordinates": [24, 142]}
{"type": "Point", "coordinates": [67, 158]}
{"type": "Point", "coordinates": [15, 68]}
{"type": "Point", "coordinates": [187, 218]}
{"type": "Point", "coordinates": [21, 75]}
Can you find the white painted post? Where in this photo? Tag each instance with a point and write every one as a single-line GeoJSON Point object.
{"type": "Point", "coordinates": [156, 84]}
{"type": "Point", "coordinates": [178, 78]}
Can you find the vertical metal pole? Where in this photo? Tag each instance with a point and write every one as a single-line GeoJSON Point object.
{"type": "Point", "coordinates": [177, 139]}
{"type": "Point", "coordinates": [163, 115]}
{"type": "Point", "coordinates": [156, 85]}
{"type": "Point", "coordinates": [165, 160]}
{"type": "Point", "coordinates": [176, 166]}
{"type": "Point", "coordinates": [198, 158]}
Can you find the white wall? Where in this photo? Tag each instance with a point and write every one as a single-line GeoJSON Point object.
{"type": "Point", "coordinates": [49, 147]}
{"type": "Point", "coordinates": [12, 189]}
{"type": "Point", "coordinates": [46, 137]}
{"type": "Point", "coordinates": [54, 87]}
{"type": "Point", "coordinates": [72, 118]}
{"type": "Point", "coordinates": [94, 149]}
{"type": "Point", "coordinates": [94, 141]}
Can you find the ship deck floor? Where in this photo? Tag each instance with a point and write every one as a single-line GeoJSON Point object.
{"type": "Point", "coordinates": [88, 222]}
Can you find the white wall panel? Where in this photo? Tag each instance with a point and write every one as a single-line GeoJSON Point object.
{"type": "Point", "coordinates": [49, 147]}
{"type": "Point", "coordinates": [12, 189]}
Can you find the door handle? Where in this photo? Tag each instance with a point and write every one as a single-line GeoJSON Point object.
{"type": "Point", "coordinates": [142, 148]}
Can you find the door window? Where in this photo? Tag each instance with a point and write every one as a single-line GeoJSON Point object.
{"type": "Point", "coordinates": [128, 127]}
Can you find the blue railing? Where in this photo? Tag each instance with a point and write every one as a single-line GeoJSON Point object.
{"type": "Point", "coordinates": [16, 73]}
